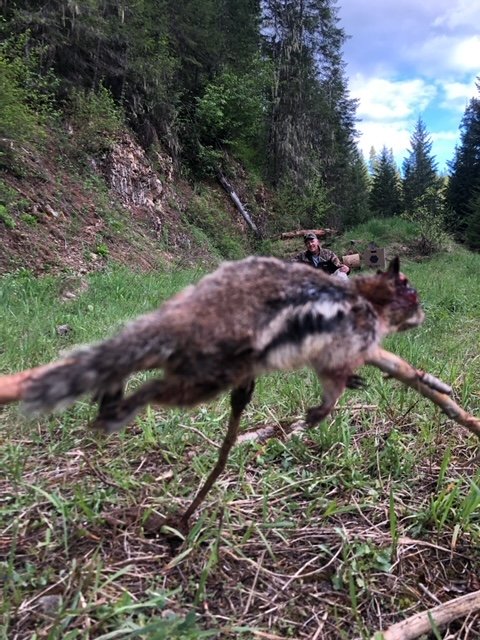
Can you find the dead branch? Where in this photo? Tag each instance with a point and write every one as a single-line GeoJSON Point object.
{"type": "Point", "coordinates": [11, 386]}
{"type": "Point", "coordinates": [265, 432]}
{"type": "Point", "coordinates": [238, 204]}
{"type": "Point", "coordinates": [426, 384]}
{"type": "Point", "coordinates": [441, 615]}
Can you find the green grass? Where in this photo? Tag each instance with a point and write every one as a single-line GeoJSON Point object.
{"type": "Point", "coordinates": [328, 535]}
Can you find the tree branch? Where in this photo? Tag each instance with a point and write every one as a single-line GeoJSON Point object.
{"type": "Point", "coordinates": [426, 384]}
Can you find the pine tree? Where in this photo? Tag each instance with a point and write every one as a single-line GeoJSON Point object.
{"type": "Point", "coordinates": [464, 179]}
{"type": "Point", "coordinates": [312, 124]}
{"type": "Point", "coordinates": [385, 195]}
{"type": "Point", "coordinates": [472, 223]}
{"type": "Point", "coordinates": [419, 167]}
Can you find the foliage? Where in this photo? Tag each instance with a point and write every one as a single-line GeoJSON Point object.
{"type": "Point", "coordinates": [217, 228]}
{"type": "Point", "coordinates": [356, 190]}
{"type": "Point", "coordinates": [233, 106]}
{"type": "Point", "coordinates": [419, 168]}
{"type": "Point", "coordinates": [312, 120]}
{"type": "Point", "coordinates": [428, 214]}
{"type": "Point", "coordinates": [385, 194]}
{"type": "Point", "coordinates": [95, 117]}
{"type": "Point", "coordinates": [300, 209]}
{"type": "Point", "coordinates": [6, 218]}
{"type": "Point", "coordinates": [17, 120]}
{"type": "Point", "coordinates": [472, 225]}
{"type": "Point", "coordinates": [464, 179]}
{"type": "Point", "coordinates": [382, 231]}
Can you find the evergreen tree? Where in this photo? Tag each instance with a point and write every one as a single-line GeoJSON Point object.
{"type": "Point", "coordinates": [472, 223]}
{"type": "Point", "coordinates": [385, 195]}
{"type": "Point", "coordinates": [356, 191]}
{"type": "Point", "coordinates": [312, 124]}
{"type": "Point", "coordinates": [419, 167]}
{"type": "Point", "coordinates": [464, 180]}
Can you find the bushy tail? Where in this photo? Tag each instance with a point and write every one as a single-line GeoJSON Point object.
{"type": "Point", "coordinates": [57, 386]}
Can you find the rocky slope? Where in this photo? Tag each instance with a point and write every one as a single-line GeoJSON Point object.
{"type": "Point", "coordinates": [63, 210]}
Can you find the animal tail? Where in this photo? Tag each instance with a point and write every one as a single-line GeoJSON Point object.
{"type": "Point", "coordinates": [146, 343]}
{"type": "Point", "coordinates": [56, 386]}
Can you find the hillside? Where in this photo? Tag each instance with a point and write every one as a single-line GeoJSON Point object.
{"type": "Point", "coordinates": [62, 208]}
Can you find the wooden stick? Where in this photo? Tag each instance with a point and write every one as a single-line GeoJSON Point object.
{"type": "Point", "coordinates": [441, 615]}
{"type": "Point", "coordinates": [13, 385]}
{"type": "Point", "coordinates": [426, 384]}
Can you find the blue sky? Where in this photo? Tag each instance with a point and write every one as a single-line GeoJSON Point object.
{"type": "Point", "coordinates": [411, 58]}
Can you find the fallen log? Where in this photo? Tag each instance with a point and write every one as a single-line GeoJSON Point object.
{"type": "Point", "coordinates": [238, 204]}
{"type": "Point", "coordinates": [320, 233]}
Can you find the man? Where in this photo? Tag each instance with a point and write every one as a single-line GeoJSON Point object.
{"type": "Point", "coordinates": [319, 258]}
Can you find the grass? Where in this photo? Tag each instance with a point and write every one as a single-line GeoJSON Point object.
{"type": "Point", "coordinates": [367, 519]}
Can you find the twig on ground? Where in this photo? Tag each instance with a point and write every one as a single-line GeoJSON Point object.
{"type": "Point", "coordinates": [440, 615]}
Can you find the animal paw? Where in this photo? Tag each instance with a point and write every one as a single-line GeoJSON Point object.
{"type": "Point", "coordinates": [355, 382]}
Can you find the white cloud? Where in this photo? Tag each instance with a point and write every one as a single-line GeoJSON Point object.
{"type": "Point", "coordinates": [407, 59]}
{"type": "Point", "coordinates": [463, 13]}
{"type": "Point", "coordinates": [457, 95]}
{"type": "Point", "coordinates": [466, 54]}
{"type": "Point", "coordinates": [444, 136]}
{"type": "Point", "coordinates": [437, 56]}
{"type": "Point", "coordinates": [390, 100]}
{"type": "Point", "coordinates": [393, 135]}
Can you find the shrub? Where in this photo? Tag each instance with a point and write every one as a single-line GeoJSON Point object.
{"type": "Point", "coordinates": [6, 218]}
{"type": "Point", "coordinates": [96, 118]}
{"type": "Point", "coordinates": [428, 214]}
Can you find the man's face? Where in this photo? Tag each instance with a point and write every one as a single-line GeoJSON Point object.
{"type": "Point", "coordinates": [312, 244]}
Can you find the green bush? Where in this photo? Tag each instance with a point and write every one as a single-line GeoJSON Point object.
{"type": "Point", "coordinates": [300, 210]}
{"type": "Point", "coordinates": [6, 218]}
{"type": "Point", "coordinates": [96, 118]}
{"type": "Point", "coordinates": [17, 120]}
{"type": "Point", "coordinates": [428, 215]}
{"type": "Point", "coordinates": [208, 216]}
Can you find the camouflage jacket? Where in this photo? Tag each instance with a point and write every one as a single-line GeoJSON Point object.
{"type": "Point", "coordinates": [326, 260]}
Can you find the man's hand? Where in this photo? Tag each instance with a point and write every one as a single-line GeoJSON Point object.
{"type": "Point", "coordinates": [344, 268]}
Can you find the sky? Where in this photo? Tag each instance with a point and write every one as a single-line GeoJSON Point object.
{"type": "Point", "coordinates": [408, 59]}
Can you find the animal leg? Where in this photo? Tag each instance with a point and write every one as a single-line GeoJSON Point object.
{"type": "Point", "coordinates": [116, 411]}
{"type": "Point", "coordinates": [239, 398]}
{"type": "Point", "coordinates": [333, 387]}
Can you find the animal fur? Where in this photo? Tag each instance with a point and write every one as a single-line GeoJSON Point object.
{"type": "Point", "coordinates": [246, 319]}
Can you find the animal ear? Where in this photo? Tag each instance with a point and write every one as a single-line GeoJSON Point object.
{"type": "Point", "coordinates": [394, 267]}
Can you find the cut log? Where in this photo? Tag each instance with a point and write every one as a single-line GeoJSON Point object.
{"type": "Point", "coordinates": [320, 233]}
{"type": "Point", "coordinates": [238, 204]}
{"type": "Point", "coordinates": [352, 260]}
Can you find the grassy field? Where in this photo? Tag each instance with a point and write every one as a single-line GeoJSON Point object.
{"type": "Point", "coordinates": [338, 533]}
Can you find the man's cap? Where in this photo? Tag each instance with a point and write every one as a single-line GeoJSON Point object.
{"type": "Point", "coordinates": [309, 236]}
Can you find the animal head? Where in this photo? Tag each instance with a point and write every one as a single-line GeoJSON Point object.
{"type": "Point", "coordinates": [394, 299]}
